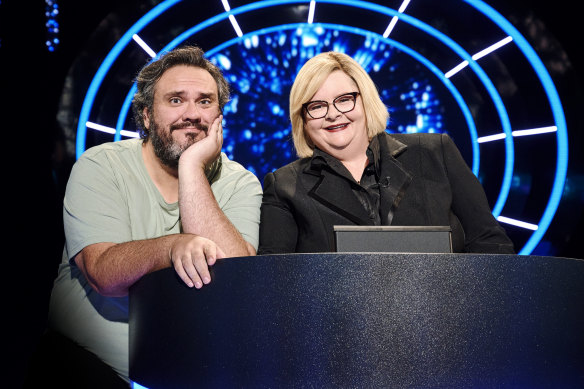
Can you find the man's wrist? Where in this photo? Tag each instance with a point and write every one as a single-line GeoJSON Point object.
{"type": "Point", "coordinates": [190, 163]}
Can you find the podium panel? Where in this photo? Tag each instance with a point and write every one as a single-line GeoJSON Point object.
{"type": "Point", "coordinates": [363, 320]}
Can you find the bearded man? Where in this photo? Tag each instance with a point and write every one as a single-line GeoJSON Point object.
{"type": "Point", "coordinates": [170, 198]}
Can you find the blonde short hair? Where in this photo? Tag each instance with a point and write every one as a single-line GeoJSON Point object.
{"type": "Point", "coordinates": [310, 78]}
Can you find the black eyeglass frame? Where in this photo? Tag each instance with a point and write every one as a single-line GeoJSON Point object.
{"type": "Point", "coordinates": [354, 94]}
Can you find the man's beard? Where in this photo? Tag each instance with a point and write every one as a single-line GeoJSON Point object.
{"type": "Point", "coordinates": [166, 148]}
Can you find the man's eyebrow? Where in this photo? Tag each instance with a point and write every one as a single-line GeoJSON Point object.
{"type": "Point", "coordinates": [209, 95]}
{"type": "Point", "coordinates": [175, 93]}
{"type": "Point", "coordinates": [203, 95]}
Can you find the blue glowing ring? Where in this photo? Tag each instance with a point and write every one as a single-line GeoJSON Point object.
{"type": "Point", "coordinates": [412, 53]}
{"type": "Point", "coordinates": [491, 90]}
{"type": "Point", "coordinates": [428, 64]}
{"type": "Point", "coordinates": [525, 48]}
{"type": "Point", "coordinates": [106, 65]}
{"type": "Point", "coordinates": [558, 113]}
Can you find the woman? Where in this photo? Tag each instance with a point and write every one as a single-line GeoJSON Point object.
{"type": "Point", "coordinates": [351, 172]}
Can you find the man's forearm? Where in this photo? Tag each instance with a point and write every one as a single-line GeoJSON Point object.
{"type": "Point", "coordinates": [201, 215]}
{"type": "Point", "coordinates": [112, 268]}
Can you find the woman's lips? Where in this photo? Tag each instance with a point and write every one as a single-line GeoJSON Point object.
{"type": "Point", "coordinates": [337, 127]}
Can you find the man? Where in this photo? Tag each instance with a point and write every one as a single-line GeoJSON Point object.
{"type": "Point", "coordinates": [136, 206]}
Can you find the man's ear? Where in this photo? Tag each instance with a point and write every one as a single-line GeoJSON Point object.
{"type": "Point", "coordinates": [146, 118]}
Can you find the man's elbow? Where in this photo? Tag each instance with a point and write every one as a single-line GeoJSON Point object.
{"type": "Point", "coordinates": [111, 290]}
{"type": "Point", "coordinates": [250, 249]}
{"type": "Point", "coordinates": [105, 286]}
{"type": "Point", "coordinates": [246, 250]}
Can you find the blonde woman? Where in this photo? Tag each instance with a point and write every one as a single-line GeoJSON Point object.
{"type": "Point", "coordinates": [351, 172]}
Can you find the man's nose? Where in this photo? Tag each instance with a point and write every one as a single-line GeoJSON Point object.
{"type": "Point", "coordinates": [191, 112]}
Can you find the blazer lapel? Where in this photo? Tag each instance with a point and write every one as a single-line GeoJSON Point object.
{"type": "Point", "coordinates": [335, 193]}
{"type": "Point", "coordinates": [393, 179]}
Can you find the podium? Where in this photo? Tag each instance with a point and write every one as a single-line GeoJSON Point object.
{"type": "Point", "coordinates": [363, 321]}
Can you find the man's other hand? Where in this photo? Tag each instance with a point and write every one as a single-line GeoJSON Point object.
{"type": "Point", "coordinates": [191, 255]}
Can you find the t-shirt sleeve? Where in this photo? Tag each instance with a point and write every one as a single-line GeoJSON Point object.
{"type": "Point", "coordinates": [94, 209]}
{"type": "Point", "coordinates": [242, 208]}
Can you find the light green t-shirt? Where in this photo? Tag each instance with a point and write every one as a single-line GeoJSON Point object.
{"type": "Point", "coordinates": [111, 198]}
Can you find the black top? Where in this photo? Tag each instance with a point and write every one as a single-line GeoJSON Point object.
{"type": "Point", "coordinates": [423, 181]}
{"type": "Point", "coordinates": [367, 188]}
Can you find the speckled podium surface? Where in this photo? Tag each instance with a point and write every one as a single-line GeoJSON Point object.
{"type": "Point", "coordinates": [363, 321]}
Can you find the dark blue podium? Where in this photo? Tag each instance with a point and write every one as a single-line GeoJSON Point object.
{"type": "Point", "coordinates": [363, 321]}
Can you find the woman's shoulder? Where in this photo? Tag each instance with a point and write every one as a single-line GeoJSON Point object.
{"type": "Point", "coordinates": [420, 138]}
{"type": "Point", "coordinates": [293, 167]}
{"type": "Point", "coordinates": [434, 142]}
{"type": "Point", "coordinates": [286, 176]}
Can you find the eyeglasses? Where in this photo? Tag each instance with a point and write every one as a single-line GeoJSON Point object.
{"type": "Point", "coordinates": [318, 109]}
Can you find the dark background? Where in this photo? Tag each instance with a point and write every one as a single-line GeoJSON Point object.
{"type": "Point", "coordinates": [35, 172]}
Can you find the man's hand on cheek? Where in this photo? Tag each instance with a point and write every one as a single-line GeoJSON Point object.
{"type": "Point", "coordinates": [202, 153]}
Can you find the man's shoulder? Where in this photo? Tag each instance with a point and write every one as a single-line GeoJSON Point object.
{"type": "Point", "coordinates": [108, 159]}
{"type": "Point", "coordinates": [104, 150]}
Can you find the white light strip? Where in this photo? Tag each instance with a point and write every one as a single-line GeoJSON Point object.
{"type": "Point", "coordinates": [101, 128]}
{"type": "Point", "coordinates": [110, 130]}
{"type": "Point", "coordinates": [517, 223]}
{"type": "Point", "coordinates": [478, 55]}
{"type": "Point", "coordinates": [235, 26]}
{"type": "Point", "coordinates": [403, 7]}
{"type": "Point", "coordinates": [390, 27]}
{"type": "Point", "coordinates": [491, 138]}
{"type": "Point", "coordinates": [492, 48]}
{"type": "Point", "coordinates": [129, 134]}
{"type": "Point", "coordinates": [533, 131]}
{"type": "Point", "coordinates": [232, 19]}
{"type": "Point", "coordinates": [144, 45]}
{"type": "Point", "coordinates": [311, 12]}
{"type": "Point", "coordinates": [394, 20]}
{"type": "Point", "coordinates": [457, 69]}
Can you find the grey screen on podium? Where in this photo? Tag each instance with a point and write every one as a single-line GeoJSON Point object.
{"type": "Point", "coordinates": [393, 239]}
{"type": "Point", "coordinates": [342, 320]}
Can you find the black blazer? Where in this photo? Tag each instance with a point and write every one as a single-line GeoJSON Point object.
{"type": "Point", "coordinates": [424, 181]}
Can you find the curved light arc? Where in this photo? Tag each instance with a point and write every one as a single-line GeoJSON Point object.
{"type": "Point", "coordinates": [390, 12]}
{"type": "Point", "coordinates": [491, 89]}
{"type": "Point", "coordinates": [106, 65]}
{"type": "Point", "coordinates": [427, 63]}
{"type": "Point", "coordinates": [557, 111]}
{"type": "Point", "coordinates": [477, 4]}
{"type": "Point", "coordinates": [508, 172]}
